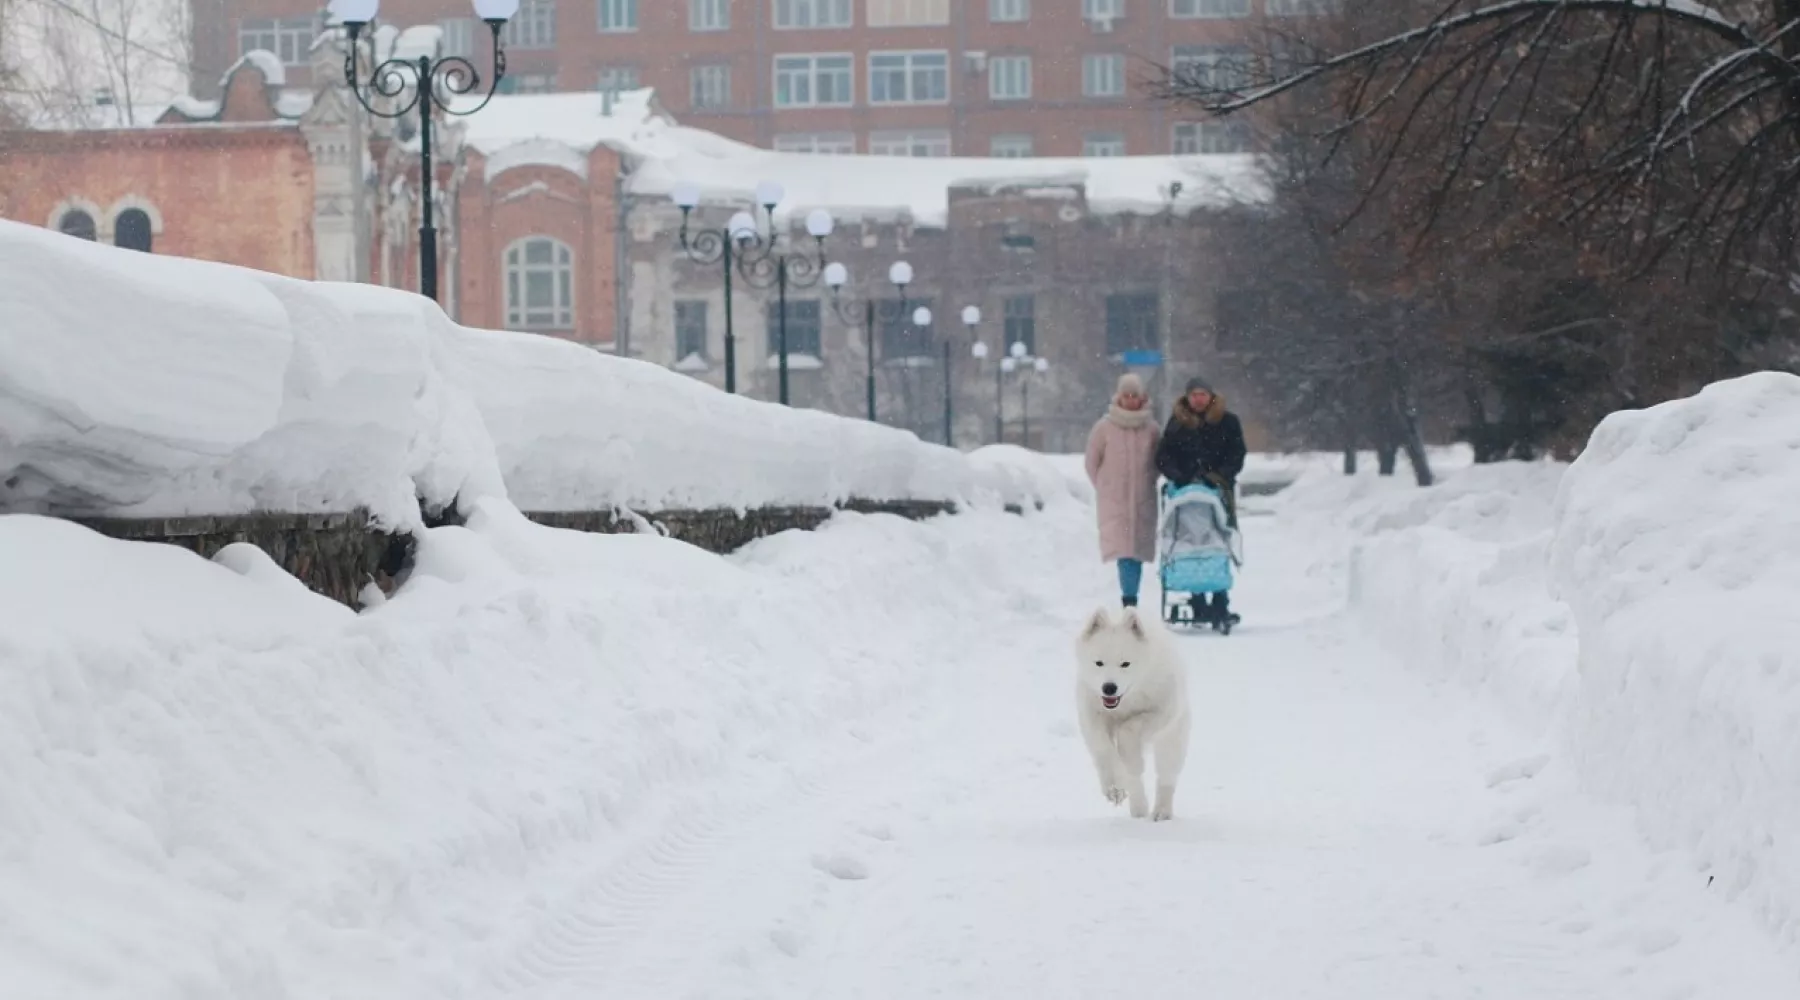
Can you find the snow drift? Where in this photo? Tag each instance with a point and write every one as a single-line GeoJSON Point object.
{"type": "Point", "coordinates": [1637, 607]}
{"type": "Point", "coordinates": [133, 384]}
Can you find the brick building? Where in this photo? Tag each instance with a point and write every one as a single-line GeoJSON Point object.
{"type": "Point", "coordinates": [908, 77]}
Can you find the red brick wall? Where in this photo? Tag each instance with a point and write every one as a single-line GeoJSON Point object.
{"type": "Point", "coordinates": [238, 195]}
{"type": "Point", "coordinates": [538, 200]}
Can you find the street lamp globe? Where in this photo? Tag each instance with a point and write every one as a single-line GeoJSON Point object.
{"type": "Point", "coordinates": [768, 194]}
{"type": "Point", "coordinates": [819, 223]}
{"type": "Point", "coordinates": [836, 275]}
{"type": "Point", "coordinates": [901, 273]}
{"type": "Point", "coordinates": [496, 11]}
{"type": "Point", "coordinates": [1042, 365]}
{"type": "Point", "coordinates": [1007, 365]}
{"type": "Point", "coordinates": [742, 227]}
{"type": "Point", "coordinates": [921, 316]}
{"type": "Point", "coordinates": [979, 350]}
{"type": "Point", "coordinates": [357, 12]}
{"type": "Point", "coordinates": [1018, 349]}
{"type": "Point", "coordinates": [685, 195]}
{"type": "Point", "coordinates": [971, 315]}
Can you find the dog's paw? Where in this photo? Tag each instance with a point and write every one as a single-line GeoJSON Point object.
{"type": "Point", "coordinates": [1138, 809]}
{"type": "Point", "coordinates": [1114, 794]}
{"type": "Point", "coordinates": [1161, 813]}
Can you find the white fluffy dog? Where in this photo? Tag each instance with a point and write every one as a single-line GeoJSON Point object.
{"type": "Point", "coordinates": [1130, 692]}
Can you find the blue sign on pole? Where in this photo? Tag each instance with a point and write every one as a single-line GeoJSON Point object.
{"type": "Point", "coordinates": [1142, 359]}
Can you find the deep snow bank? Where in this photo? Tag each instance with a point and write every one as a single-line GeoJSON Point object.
{"type": "Point", "coordinates": [1678, 548]}
{"type": "Point", "coordinates": [1637, 607]}
{"type": "Point", "coordinates": [214, 784]}
{"type": "Point", "coordinates": [146, 385]}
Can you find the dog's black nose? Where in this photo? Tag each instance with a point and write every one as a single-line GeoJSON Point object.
{"type": "Point", "coordinates": [1109, 689]}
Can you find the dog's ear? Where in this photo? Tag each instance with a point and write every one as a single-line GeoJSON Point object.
{"type": "Point", "coordinates": [1134, 623]}
{"type": "Point", "coordinates": [1099, 621]}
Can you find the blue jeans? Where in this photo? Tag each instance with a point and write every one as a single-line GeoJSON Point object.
{"type": "Point", "coordinates": [1131, 575]}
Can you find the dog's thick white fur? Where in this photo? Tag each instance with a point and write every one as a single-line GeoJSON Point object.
{"type": "Point", "coordinates": [1130, 694]}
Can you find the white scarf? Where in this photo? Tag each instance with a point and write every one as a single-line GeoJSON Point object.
{"type": "Point", "coordinates": [1128, 419]}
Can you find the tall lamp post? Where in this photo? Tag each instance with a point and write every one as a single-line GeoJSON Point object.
{"type": "Point", "coordinates": [900, 274]}
{"type": "Point", "coordinates": [432, 83]}
{"type": "Point", "coordinates": [971, 317]}
{"type": "Point", "coordinates": [1020, 360]}
{"type": "Point", "coordinates": [758, 260]}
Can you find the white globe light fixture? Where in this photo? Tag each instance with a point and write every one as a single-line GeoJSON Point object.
{"type": "Point", "coordinates": [921, 316]}
{"type": "Point", "coordinates": [686, 195]}
{"type": "Point", "coordinates": [742, 227]}
{"type": "Point", "coordinates": [900, 273]}
{"type": "Point", "coordinates": [979, 350]}
{"type": "Point", "coordinates": [768, 194]}
{"type": "Point", "coordinates": [1042, 365]}
{"type": "Point", "coordinates": [357, 12]}
{"type": "Point", "coordinates": [495, 11]}
{"type": "Point", "coordinates": [1007, 365]}
{"type": "Point", "coordinates": [971, 315]}
{"type": "Point", "coordinates": [1018, 349]}
{"type": "Point", "coordinates": [819, 223]}
{"type": "Point", "coordinates": [836, 275]}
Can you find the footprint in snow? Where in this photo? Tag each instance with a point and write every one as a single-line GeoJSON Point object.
{"type": "Point", "coordinates": [1518, 770]}
{"type": "Point", "coordinates": [1560, 859]}
{"type": "Point", "coordinates": [841, 866]}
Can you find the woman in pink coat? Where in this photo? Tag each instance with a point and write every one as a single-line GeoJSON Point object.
{"type": "Point", "coordinates": [1121, 463]}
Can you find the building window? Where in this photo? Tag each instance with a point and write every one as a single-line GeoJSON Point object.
{"type": "Point", "coordinates": [78, 224]}
{"type": "Point", "coordinates": [1009, 10]}
{"type": "Point", "coordinates": [1103, 75]}
{"type": "Point", "coordinates": [526, 83]}
{"type": "Point", "coordinates": [533, 27]}
{"type": "Point", "coordinates": [1011, 146]}
{"type": "Point", "coordinates": [709, 15]}
{"type": "Point", "coordinates": [132, 230]}
{"type": "Point", "coordinates": [1193, 138]}
{"type": "Point", "coordinates": [814, 81]}
{"type": "Point", "coordinates": [1100, 10]}
{"type": "Point", "coordinates": [459, 37]}
{"type": "Point", "coordinates": [618, 15]}
{"type": "Point", "coordinates": [1209, 8]}
{"type": "Point", "coordinates": [690, 329]}
{"type": "Point", "coordinates": [812, 13]}
{"type": "Point", "coordinates": [540, 280]}
{"type": "Point", "coordinates": [909, 77]}
{"type": "Point", "coordinates": [711, 86]}
{"type": "Point", "coordinates": [1103, 144]}
{"type": "Point", "coordinates": [289, 38]}
{"type": "Point", "coordinates": [1009, 78]}
{"type": "Point", "coordinates": [898, 337]}
{"type": "Point", "coordinates": [905, 13]}
{"type": "Point", "coordinates": [1214, 67]}
{"type": "Point", "coordinates": [617, 78]}
{"type": "Point", "coordinates": [803, 328]}
{"type": "Point", "coordinates": [816, 142]}
{"type": "Point", "coordinates": [1131, 322]}
{"type": "Point", "coordinates": [1018, 313]}
{"type": "Point", "coordinates": [919, 142]}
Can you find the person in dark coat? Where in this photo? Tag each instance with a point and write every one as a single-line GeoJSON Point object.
{"type": "Point", "coordinates": [1204, 442]}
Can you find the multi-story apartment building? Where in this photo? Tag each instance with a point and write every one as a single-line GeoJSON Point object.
{"type": "Point", "coordinates": [912, 77]}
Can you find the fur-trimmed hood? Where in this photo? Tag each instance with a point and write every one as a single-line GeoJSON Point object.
{"type": "Point", "coordinates": [1184, 414]}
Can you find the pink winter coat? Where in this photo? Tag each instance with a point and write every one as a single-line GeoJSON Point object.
{"type": "Point", "coordinates": [1121, 463]}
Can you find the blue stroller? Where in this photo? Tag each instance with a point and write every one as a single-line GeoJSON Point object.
{"type": "Point", "coordinates": [1196, 552]}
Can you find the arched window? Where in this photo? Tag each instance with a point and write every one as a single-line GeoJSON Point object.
{"type": "Point", "coordinates": [540, 279]}
{"type": "Point", "coordinates": [131, 230]}
{"type": "Point", "coordinates": [78, 224]}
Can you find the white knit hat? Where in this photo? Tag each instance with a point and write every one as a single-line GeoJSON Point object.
{"type": "Point", "coordinates": [1129, 383]}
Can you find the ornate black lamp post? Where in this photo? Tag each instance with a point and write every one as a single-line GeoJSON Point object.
{"type": "Point", "coordinates": [432, 83]}
{"type": "Point", "coordinates": [900, 274]}
{"type": "Point", "coordinates": [758, 261]}
{"type": "Point", "coordinates": [1020, 359]}
{"type": "Point", "coordinates": [971, 317]}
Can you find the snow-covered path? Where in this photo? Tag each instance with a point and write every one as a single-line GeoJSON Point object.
{"type": "Point", "coordinates": [1343, 831]}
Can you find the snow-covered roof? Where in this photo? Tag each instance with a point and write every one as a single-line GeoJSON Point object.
{"type": "Point", "coordinates": [545, 128]}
